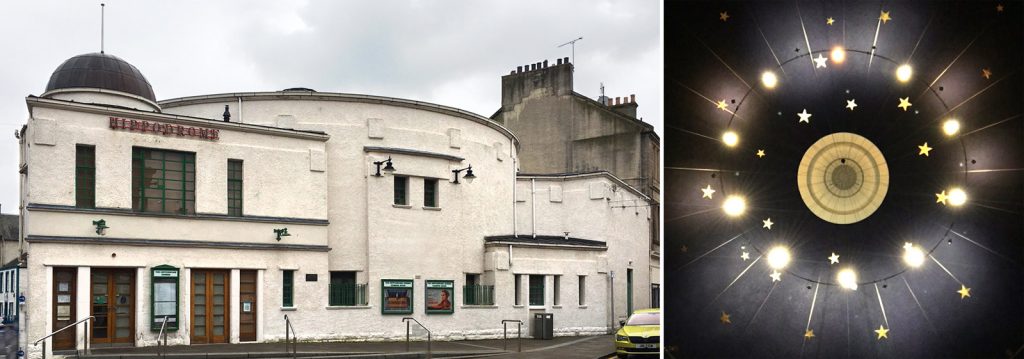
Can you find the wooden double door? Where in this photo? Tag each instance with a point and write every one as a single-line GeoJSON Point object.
{"type": "Point", "coordinates": [210, 308]}
{"type": "Point", "coordinates": [112, 302]}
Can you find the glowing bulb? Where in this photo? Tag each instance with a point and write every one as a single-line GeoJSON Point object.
{"type": "Point", "coordinates": [778, 257]}
{"type": "Point", "coordinates": [913, 256]}
{"type": "Point", "coordinates": [769, 80]}
{"type": "Point", "coordinates": [957, 197]}
{"type": "Point", "coordinates": [734, 206]}
{"type": "Point", "coordinates": [730, 138]}
{"type": "Point", "coordinates": [903, 73]}
{"type": "Point", "coordinates": [951, 127]}
{"type": "Point", "coordinates": [838, 54]}
{"type": "Point", "coordinates": [847, 278]}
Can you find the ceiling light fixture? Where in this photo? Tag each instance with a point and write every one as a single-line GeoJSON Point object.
{"type": "Point", "coordinates": [951, 127]}
{"type": "Point", "coordinates": [847, 278]}
{"type": "Point", "coordinates": [734, 206]}
{"type": "Point", "coordinates": [957, 197]}
{"type": "Point", "coordinates": [913, 255]}
{"type": "Point", "coordinates": [838, 54]}
{"type": "Point", "coordinates": [904, 72]}
{"type": "Point", "coordinates": [730, 138]}
{"type": "Point", "coordinates": [778, 258]}
{"type": "Point", "coordinates": [769, 79]}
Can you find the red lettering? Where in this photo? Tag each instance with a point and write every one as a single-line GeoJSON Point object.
{"type": "Point", "coordinates": [214, 134]}
{"type": "Point", "coordinates": [192, 131]}
{"type": "Point", "coordinates": [113, 122]}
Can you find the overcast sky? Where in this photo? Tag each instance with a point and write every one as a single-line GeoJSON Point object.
{"type": "Point", "coordinates": [446, 52]}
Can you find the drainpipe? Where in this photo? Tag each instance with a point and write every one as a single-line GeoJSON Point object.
{"type": "Point", "coordinates": [515, 184]}
{"type": "Point", "coordinates": [240, 109]}
{"type": "Point", "coordinates": [533, 206]}
{"type": "Point", "coordinates": [611, 285]}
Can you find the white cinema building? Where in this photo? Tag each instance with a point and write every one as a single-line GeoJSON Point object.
{"type": "Point", "coordinates": [223, 213]}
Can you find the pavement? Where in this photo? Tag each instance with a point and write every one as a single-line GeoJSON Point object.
{"type": "Point", "coordinates": [582, 347]}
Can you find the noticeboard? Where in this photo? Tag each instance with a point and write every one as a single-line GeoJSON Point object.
{"type": "Point", "coordinates": [439, 295]}
{"type": "Point", "coordinates": [396, 296]}
{"type": "Point", "coordinates": [164, 283]}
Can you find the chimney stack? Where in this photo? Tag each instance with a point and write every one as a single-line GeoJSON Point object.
{"type": "Point", "coordinates": [559, 61]}
{"type": "Point", "coordinates": [519, 69]}
{"type": "Point", "coordinates": [545, 64]}
{"type": "Point", "coordinates": [632, 98]}
{"type": "Point", "coordinates": [565, 59]}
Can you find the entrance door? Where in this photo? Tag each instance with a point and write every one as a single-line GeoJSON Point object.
{"type": "Point", "coordinates": [629, 291]}
{"type": "Point", "coordinates": [247, 304]}
{"type": "Point", "coordinates": [210, 306]}
{"type": "Point", "coordinates": [64, 307]}
{"type": "Point", "coordinates": [113, 305]}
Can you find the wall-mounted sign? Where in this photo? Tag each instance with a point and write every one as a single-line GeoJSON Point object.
{"type": "Point", "coordinates": [157, 128]}
{"type": "Point", "coordinates": [439, 296]}
{"type": "Point", "coordinates": [396, 296]}
{"type": "Point", "coordinates": [164, 299]}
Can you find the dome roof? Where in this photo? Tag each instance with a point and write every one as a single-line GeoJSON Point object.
{"type": "Point", "coordinates": [103, 71]}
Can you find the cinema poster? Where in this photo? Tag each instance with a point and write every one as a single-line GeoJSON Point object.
{"type": "Point", "coordinates": [440, 296]}
{"type": "Point", "coordinates": [396, 296]}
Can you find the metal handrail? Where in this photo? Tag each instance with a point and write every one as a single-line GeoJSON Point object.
{"type": "Point", "coordinates": [294, 342]}
{"type": "Point", "coordinates": [87, 334]}
{"type": "Point", "coordinates": [161, 349]}
{"type": "Point", "coordinates": [408, 329]}
{"type": "Point", "coordinates": [519, 332]}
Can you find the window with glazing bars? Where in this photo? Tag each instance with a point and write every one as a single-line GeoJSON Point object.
{"type": "Point", "coordinates": [287, 289]}
{"type": "Point", "coordinates": [429, 192]}
{"type": "Point", "coordinates": [163, 181]}
{"type": "Point", "coordinates": [401, 190]}
{"type": "Point", "coordinates": [85, 176]}
{"type": "Point", "coordinates": [536, 290]}
{"type": "Point", "coordinates": [235, 188]}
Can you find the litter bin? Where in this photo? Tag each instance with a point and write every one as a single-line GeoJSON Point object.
{"type": "Point", "coordinates": [543, 326]}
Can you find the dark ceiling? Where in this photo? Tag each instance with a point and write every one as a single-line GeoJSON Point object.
{"type": "Point", "coordinates": [979, 245]}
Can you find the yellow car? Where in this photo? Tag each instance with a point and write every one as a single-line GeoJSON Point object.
{"type": "Point", "coordinates": [639, 334]}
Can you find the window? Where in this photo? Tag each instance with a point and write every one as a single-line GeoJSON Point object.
{"type": "Point", "coordinates": [583, 290]}
{"type": "Point", "coordinates": [655, 296]}
{"type": "Point", "coordinates": [343, 290]}
{"type": "Point", "coordinates": [536, 290]}
{"type": "Point", "coordinates": [235, 188]}
{"type": "Point", "coordinates": [430, 192]}
{"type": "Point", "coordinates": [555, 288]}
{"type": "Point", "coordinates": [85, 176]}
{"type": "Point", "coordinates": [163, 181]}
{"type": "Point", "coordinates": [288, 289]}
{"type": "Point", "coordinates": [401, 190]}
{"type": "Point", "coordinates": [519, 289]}
{"type": "Point", "coordinates": [474, 293]}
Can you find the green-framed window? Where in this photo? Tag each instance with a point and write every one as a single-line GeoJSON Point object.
{"type": "Point", "coordinates": [536, 290]}
{"type": "Point", "coordinates": [517, 300]}
{"type": "Point", "coordinates": [235, 188]}
{"type": "Point", "coordinates": [163, 181]}
{"type": "Point", "coordinates": [430, 192]}
{"type": "Point", "coordinates": [85, 176]}
{"type": "Point", "coordinates": [288, 289]}
{"type": "Point", "coordinates": [401, 190]}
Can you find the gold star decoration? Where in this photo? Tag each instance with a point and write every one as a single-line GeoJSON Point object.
{"type": "Point", "coordinates": [724, 15]}
{"type": "Point", "coordinates": [833, 259]}
{"type": "Point", "coordinates": [804, 117]}
{"type": "Point", "coordinates": [820, 61]}
{"type": "Point", "coordinates": [809, 334]}
{"type": "Point", "coordinates": [924, 149]}
{"type": "Point", "coordinates": [986, 73]}
{"type": "Point", "coordinates": [941, 198]}
{"type": "Point", "coordinates": [721, 105]}
{"type": "Point", "coordinates": [964, 291]}
{"type": "Point", "coordinates": [829, 21]}
{"type": "Point", "coordinates": [884, 17]}
{"type": "Point", "coordinates": [851, 104]}
{"type": "Point", "coordinates": [724, 318]}
{"type": "Point", "coordinates": [882, 332]}
{"type": "Point", "coordinates": [708, 192]}
{"type": "Point", "coordinates": [904, 103]}
{"type": "Point", "coordinates": [999, 8]}
{"type": "Point", "coordinates": [760, 153]}
{"type": "Point", "coordinates": [745, 256]}
{"type": "Point", "coordinates": [776, 276]}
{"type": "Point", "coordinates": [767, 223]}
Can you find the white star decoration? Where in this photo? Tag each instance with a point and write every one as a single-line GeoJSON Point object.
{"type": "Point", "coordinates": [850, 104]}
{"type": "Point", "coordinates": [820, 62]}
{"type": "Point", "coordinates": [804, 116]}
{"type": "Point", "coordinates": [767, 223]}
{"type": "Point", "coordinates": [708, 192]}
{"type": "Point", "coordinates": [745, 255]}
{"type": "Point", "coordinates": [833, 259]}
{"type": "Point", "coordinates": [776, 276]}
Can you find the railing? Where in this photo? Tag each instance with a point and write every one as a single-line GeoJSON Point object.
{"type": "Point", "coordinates": [294, 342]}
{"type": "Point", "coordinates": [347, 294]}
{"type": "Point", "coordinates": [478, 294]}
{"type": "Point", "coordinates": [88, 336]}
{"type": "Point", "coordinates": [161, 349]}
{"type": "Point", "coordinates": [408, 331]}
{"type": "Point", "coordinates": [519, 332]}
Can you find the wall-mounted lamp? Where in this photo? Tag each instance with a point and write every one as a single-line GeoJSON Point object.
{"type": "Point", "coordinates": [469, 177]}
{"type": "Point", "coordinates": [387, 168]}
{"type": "Point", "coordinates": [281, 232]}
{"type": "Point", "coordinates": [101, 225]}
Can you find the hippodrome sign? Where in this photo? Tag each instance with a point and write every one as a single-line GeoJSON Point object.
{"type": "Point", "coordinates": [117, 123]}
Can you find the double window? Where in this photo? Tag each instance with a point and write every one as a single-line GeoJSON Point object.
{"type": "Point", "coordinates": [163, 181]}
{"type": "Point", "coordinates": [430, 193]}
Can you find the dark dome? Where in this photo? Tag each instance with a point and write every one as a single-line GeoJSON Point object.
{"type": "Point", "coordinates": [98, 70]}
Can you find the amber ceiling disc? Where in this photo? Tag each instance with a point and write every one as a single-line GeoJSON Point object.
{"type": "Point", "coordinates": [843, 178]}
